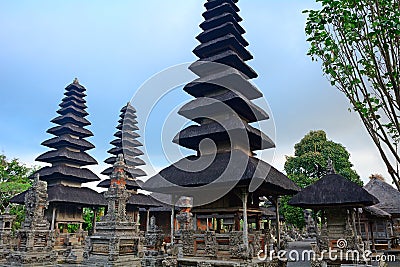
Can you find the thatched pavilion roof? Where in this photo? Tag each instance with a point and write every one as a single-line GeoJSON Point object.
{"type": "Point", "coordinates": [66, 194]}
{"type": "Point", "coordinates": [274, 182]}
{"type": "Point", "coordinates": [376, 212]}
{"type": "Point", "coordinates": [388, 196]}
{"type": "Point", "coordinates": [333, 190]}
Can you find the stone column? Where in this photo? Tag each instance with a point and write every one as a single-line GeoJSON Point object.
{"type": "Point", "coordinates": [245, 225]}
{"type": "Point", "coordinates": [53, 219]}
{"type": "Point", "coordinates": [147, 219]}
{"type": "Point", "coordinates": [172, 224]}
{"type": "Point", "coordinates": [94, 219]}
{"type": "Point", "coordinates": [278, 225]}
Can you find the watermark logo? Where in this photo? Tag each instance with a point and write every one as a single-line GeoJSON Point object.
{"type": "Point", "coordinates": [220, 95]}
{"type": "Point", "coordinates": [341, 243]}
{"type": "Point", "coordinates": [342, 253]}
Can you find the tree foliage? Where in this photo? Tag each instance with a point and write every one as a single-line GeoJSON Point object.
{"type": "Point", "coordinates": [309, 164]}
{"type": "Point", "coordinates": [14, 179]}
{"type": "Point", "coordinates": [358, 42]}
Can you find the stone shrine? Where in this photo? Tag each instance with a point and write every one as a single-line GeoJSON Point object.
{"type": "Point", "coordinates": [35, 242]}
{"type": "Point", "coordinates": [116, 241]}
{"type": "Point", "coordinates": [6, 237]}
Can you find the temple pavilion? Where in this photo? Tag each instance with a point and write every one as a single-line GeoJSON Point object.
{"type": "Point", "coordinates": [337, 200]}
{"type": "Point", "coordinates": [126, 144]}
{"type": "Point", "coordinates": [223, 178]}
{"type": "Point", "coordinates": [382, 229]}
{"type": "Point", "coordinates": [67, 173]}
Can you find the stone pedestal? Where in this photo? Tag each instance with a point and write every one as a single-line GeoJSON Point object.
{"type": "Point", "coordinates": [116, 241]}
{"type": "Point", "coordinates": [6, 236]}
{"type": "Point", "coordinates": [34, 240]}
{"type": "Point", "coordinates": [154, 253]}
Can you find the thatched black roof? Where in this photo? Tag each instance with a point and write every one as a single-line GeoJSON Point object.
{"type": "Point", "coordinates": [272, 181]}
{"type": "Point", "coordinates": [227, 58]}
{"type": "Point", "coordinates": [127, 145]}
{"type": "Point", "coordinates": [65, 154]}
{"type": "Point", "coordinates": [333, 190]}
{"type": "Point", "coordinates": [69, 144]}
{"type": "Point", "coordinates": [373, 211]}
{"type": "Point", "coordinates": [130, 184]}
{"type": "Point", "coordinates": [67, 194]}
{"type": "Point", "coordinates": [65, 172]}
{"type": "Point", "coordinates": [141, 200]}
{"type": "Point", "coordinates": [224, 78]}
{"type": "Point", "coordinates": [208, 107]}
{"type": "Point", "coordinates": [388, 196]}
{"type": "Point", "coordinates": [191, 136]}
{"type": "Point", "coordinates": [68, 141]}
{"type": "Point", "coordinates": [228, 80]}
{"type": "Point", "coordinates": [70, 129]}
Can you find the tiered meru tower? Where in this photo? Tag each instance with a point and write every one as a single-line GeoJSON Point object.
{"type": "Point", "coordinates": [224, 174]}
{"type": "Point", "coordinates": [67, 173]}
{"type": "Point", "coordinates": [224, 79]}
{"type": "Point", "coordinates": [126, 144]}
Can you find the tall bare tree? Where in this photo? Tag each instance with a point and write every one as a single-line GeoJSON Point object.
{"type": "Point", "coordinates": [358, 42]}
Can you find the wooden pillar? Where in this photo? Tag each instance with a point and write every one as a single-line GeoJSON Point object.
{"type": "Point", "coordinates": [53, 218]}
{"type": "Point", "coordinates": [172, 224]}
{"type": "Point", "coordinates": [278, 225]}
{"type": "Point", "coordinates": [372, 234]}
{"type": "Point", "coordinates": [237, 222]}
{"type": "Point", "coordinates": [359, 222]}
{"type": "Point", "coordinates": [195, 222]}
{"type": "Point", "coordinates": [208, 227]}
{"type": "Point", "coordinates": [245, 225]}
{"type": "Point", "coordinates": [94, 219]}
{"type": "Point", "coordinates": [147, 219]}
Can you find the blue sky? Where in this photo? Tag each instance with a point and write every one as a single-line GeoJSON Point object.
{"type": "Point", "coordinates": [114, 47]}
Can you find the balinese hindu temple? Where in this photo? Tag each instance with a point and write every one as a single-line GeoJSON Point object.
{"type": "Point", "coordinates": [204, 210]}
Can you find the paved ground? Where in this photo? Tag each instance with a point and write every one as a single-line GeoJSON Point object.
{"type": "Point", "coordinates": [299, 246]}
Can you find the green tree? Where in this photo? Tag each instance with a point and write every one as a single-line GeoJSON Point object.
{"type": "Point", "coordinates": [358, 42]}
{"type": "Point", "coordinates": [309, 164]}
{"type": "Point", "coordinates": [14, 179]}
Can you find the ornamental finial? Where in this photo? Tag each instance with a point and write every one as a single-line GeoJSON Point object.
{"type": "Point", "coordinates": [76, 81]}
{"type": "Point", "coordinates": [329, 167]}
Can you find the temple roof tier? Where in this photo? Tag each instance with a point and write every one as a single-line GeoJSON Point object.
{"type": "Point", "coordinates": [211, 107]}
{"type": "Point", "coordinates": [230, 79]}
{"type": "Point", "coordinates": [220, 63]}
{"type": "Point", "coordinates": [220, 45]}
{"type": "Point", "coordinates": [277, 183]}
{"type": "Point", "coordinates": [67, 140]}
{"type": "Point", "coordinates": [71, 129]}
{"type": "Point", "coordinates": [64, 172]}
{"type": "Point", "coordinates": [66, 194]}
{"type": "Point", "coordinates": [71, 118]}
{"type": "Point", "coordinates": [72, 109]}
{"type": "Point", "coordinates": [67, 155]}
{"type": "Point", "coordinates": [131, 184]}
{"type": "Point", "coordinates": [222, 8]}
{"type": "Point", "coordinates": [191, 136]}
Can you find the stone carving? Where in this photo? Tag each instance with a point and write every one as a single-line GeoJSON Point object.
{"type": "Point", "coordinates": [154, 254]}
{"type": "Point", "coordinates": [185, 217]}
{"type": "Point", "coordinates": [237, 248]}
{"type": "Point", "coordinates": [116, 241]}
{"type": "Point", "coordinates": [6, 237]}
{"type": "Point", "coordinates": [204, 264]}
{"type": "Point", "coordinates": [211, 245]}
{"type": "Point", "coordinates": [34, 241]}
{"type": "Point", "coordinates": [188, 242]}
{"type": "Point", "coordinates": [170, 262]}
